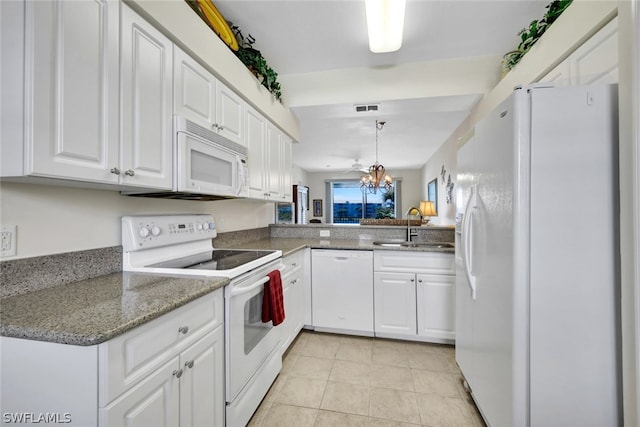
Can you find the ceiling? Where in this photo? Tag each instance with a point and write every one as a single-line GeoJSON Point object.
{"type": "Point", "coordinates": [320, 50]}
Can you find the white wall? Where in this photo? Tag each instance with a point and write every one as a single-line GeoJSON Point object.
{"type": "Point", "coordinates": [410, 195]}
{"type": "Point", "coordinates": [444, 156]}
{"type": "Point", "coordinates": [53, 220]}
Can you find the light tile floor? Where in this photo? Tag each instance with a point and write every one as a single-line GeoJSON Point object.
{"type": "Point", "coordinates": [340, 381]}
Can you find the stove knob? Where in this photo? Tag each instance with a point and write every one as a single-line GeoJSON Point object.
{"type": "Point", "coordinates": [212, 225]}
{"type": "Point", "coordinates": [205, 226]}
{"type": "Point", "coordinates": [144, 232]}
{"type": "Point", "coordinates": [155, 230]}
{"type": "Point", "coordinates": [198, 226]}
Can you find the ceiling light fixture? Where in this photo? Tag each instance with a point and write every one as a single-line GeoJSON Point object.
{"type": "Point", "coordinates": [385, 24]}
{"type": "Point", "coordinates": [376, 179]}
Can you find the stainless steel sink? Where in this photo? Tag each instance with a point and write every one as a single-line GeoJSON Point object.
{"type": "Point", "coordinates": [392, 243]}
{"type": "Point", "coordinates": [437, 245]}
{"type": "Point", "coordinates": [398, 244]}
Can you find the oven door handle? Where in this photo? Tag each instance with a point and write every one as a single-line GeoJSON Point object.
{"type": "Point", "coordinates": [246, 289]}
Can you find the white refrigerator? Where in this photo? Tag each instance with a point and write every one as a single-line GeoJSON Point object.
{"type": "Point", "coordinates": [537, 281]}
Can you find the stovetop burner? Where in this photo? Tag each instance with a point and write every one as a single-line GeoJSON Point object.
{"type": "Point", "coordinates": [220, 259]}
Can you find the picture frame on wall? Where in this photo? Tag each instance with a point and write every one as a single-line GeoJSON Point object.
{"type": "Point", "coordinates": [317, 207]}
{"type": "Point", "coordinates": [432, 193]}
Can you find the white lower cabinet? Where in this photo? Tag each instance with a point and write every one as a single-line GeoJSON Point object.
{"type": "Point", "coordinates": [395, 303]}
{"type": "Point", "coordinates": [295, 288]}
{"type": "Point", "coordinates": [414, 295]}
{"type": "Point", "coordinates": [167, 372]}
{"type": "Point", "coordinates": [436, 306]}
{"type": "Point", "coordinates": [186, 391]}
{"type": "Point", "coordinates": [342, 291]}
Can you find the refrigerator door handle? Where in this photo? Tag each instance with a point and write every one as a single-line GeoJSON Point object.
{"type": "Point", "coordinates": [467, 242]}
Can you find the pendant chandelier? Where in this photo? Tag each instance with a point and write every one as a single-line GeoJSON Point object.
{"type": "Point", "coordinates": [377, 178]}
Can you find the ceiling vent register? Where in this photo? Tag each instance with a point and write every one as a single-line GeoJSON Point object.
{"type": "Point", "coordinates": [366, 108]}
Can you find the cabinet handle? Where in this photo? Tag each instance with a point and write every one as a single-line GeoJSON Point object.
{"type": "Point", "coordinates": [220, 127]}
{"type": "Point", "coordinates": [412, 280]}
{"type": "Point", "coordinates": [293, 264]}
{"type": "Point", "coordinates": [214, 126]}
{"type": "Point", "coordinates": [189, 364]}
{"type": "Point", "coordinates": [419, 280]}
{"type": "Point", "coordinates": [183, 329]}
{"type": "Point", "coordinates": [115, 171]}
{"type": "Point", "coordinates": [130, 172]}
{"type": "Point", "coordinates": [293, 282]}
{"type": "Point", "coordinates": [177, 373]}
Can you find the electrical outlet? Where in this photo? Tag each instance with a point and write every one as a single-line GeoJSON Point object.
{"type": "Point", "coordinates": [325, 233]}
{"type": "Point", "coordinates": [8, 240]}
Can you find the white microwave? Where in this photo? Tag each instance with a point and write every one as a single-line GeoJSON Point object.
{"type": "Point", "coordinates": [208, 163]}
{"type": "Point", "coordinates": [206, 166]}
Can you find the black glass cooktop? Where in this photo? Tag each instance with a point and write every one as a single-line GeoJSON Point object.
{"type": "Point", "coordinates": [220, 259]}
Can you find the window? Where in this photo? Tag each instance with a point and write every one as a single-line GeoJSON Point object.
{"type": "Point", "coordinates": [348, 203]}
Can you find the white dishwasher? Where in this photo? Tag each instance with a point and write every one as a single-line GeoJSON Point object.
{"type": "Point", "coordinates": [342, 291]}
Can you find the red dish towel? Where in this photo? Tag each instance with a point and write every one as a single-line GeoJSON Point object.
{"type": "Point", "coordinates": [273, 301]}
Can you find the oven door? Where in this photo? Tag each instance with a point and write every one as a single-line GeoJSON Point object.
{"type": "Point", "coordinates": [249, 341]}
{"type": "Point", "coordinates": [206, 168]}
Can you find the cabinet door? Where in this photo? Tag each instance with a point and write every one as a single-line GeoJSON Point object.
{"type": "Point", "coordinates": [596, 61]}
{"type": "Point", "coordinates": [286, 327]}
{"type": "Point", "coordinates": [274, 184]}
{"type": "Point", "coordinates": [395, 303]}
{"type": "Point", "coordinates": [147, 82]}
{"type": "Point", "coordinates": [71, 69]}
{"type": "Point", "coordinates": [285, 169]}
{"type": "Point", "coordinates": [436, 307]}
{"type": "Point", "coordinates": [153, 402]}
{"type": "Point", "coordinates": [202, 383]}
{"type": "Point", "coordinates": [255, 137]}
{"type": "Point", "coordinates": [230, 114]}
{"type": "Point", "coordinates": [194, 90]}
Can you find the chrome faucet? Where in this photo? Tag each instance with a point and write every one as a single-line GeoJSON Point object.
{"type": "Point", "coordinates": [413, 211]}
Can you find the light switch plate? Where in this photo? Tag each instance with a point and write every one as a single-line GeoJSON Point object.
{"type": "Point", "coordinates": [325, 233]}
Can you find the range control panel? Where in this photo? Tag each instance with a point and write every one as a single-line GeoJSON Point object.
{"type": "Point", "coordinates": [146, 232]}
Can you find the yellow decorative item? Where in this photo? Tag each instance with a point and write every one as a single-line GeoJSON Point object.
{"type": "Point", "coordinates": [217, 23]}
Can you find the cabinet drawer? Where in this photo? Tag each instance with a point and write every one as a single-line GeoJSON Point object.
{"type": "Point", "coordinates": [292, 264]}
{"type": "Point", "coordinates": [416, 262]}
{"type": "Point", "coordinates": [128, 358]}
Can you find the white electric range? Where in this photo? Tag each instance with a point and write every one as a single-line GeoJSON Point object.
{"type": "Point", "coordinates": [183, 245]}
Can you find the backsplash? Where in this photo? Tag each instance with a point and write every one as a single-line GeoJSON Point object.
{"type": "Point", "coordinates": [31, 274]}
{"type": "Point", "coordinates": [362, 232]}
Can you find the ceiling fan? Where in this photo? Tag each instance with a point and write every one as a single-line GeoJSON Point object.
{"type": "Point", "coordinates": [357, 167]}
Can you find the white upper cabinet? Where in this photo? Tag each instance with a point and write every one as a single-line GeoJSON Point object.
{"type": "Point", "coordinates": [205, 100]}
{"type": "Point", "coordinates": [255, 137]}
{"type": "Point", "coordinates": [70, 87]}
{"type": "Point", "coordinates": [230, 113]}
{"type": "Point", "coordinates": [274, 162]}
{"type": "Point", "coordinates": [594, 62]}
{"type": "Point", "coordinates": [86, 66]}
{"type": "Point", "coordinates": [147, 82]}
{"type": "Point", "coordinates": [269, 159]}
{"type": "Point", "coordinates": [286, 147]}
{"type": "Point", "coordinates": [194, 90]}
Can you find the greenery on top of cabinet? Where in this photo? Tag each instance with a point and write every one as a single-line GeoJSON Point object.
{"type": "Point", "coordinates": [530, 35]}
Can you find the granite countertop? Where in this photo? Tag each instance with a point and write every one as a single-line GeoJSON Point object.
{"type": "Point", "coordinates": [95, 310]}
{"type": "Point", "coordinates": [289, 245]}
